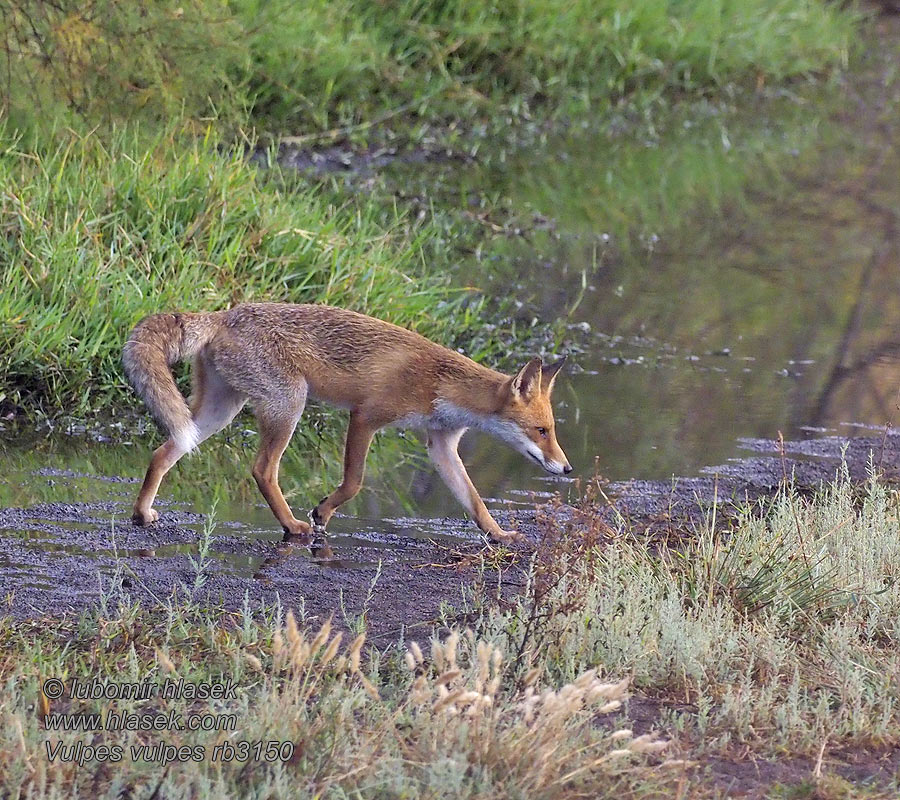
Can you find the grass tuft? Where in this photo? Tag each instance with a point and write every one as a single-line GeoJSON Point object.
{"type": "Point", "coordinates": [342, 720]}
{"type": "Point", "coordinates": [776, 634]}
{"type": "Point", "coordinates": [531, 704]}
{"type": "Point", "coordinates": [96, 235]}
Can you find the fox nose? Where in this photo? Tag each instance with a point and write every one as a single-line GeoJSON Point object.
{"type": "Point", "coordinates": [567, 468]}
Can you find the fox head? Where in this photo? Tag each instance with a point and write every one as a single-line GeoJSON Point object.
{"type": "Point", "coordinates": [529, 415]}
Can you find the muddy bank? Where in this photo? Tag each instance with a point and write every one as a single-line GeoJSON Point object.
{"type": "Point", "coordinates": [58, 558]}
{"type": "Point", "coordinates": [342, 158]}
{"type": "Point", "coordinates": [674, 507]}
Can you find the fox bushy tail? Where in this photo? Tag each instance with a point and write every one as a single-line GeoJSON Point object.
{"type": "Point", "coordinates": [156, 343]}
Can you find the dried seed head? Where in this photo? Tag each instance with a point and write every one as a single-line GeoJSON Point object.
{"type": "Point", "coordinates": [447, 677]}
{"type": "Point", "coordinates": [321, 637]}
{"type": "Point", "coordinates": [331, 650]}
{"type": "Point", "coordinates": [437, 654]}
{"type": "Point", "coordinates": [607, 691]}
{"type": "Point", "coordinates": [416, 652]}
{"type": "Point", "coordinates": [450, 648]}
{"type": "Point", "coordinates": [293, 632]}
{"type": "Point", "coordinates": [570, 693]}
{"type": "Point", "coordinates": [529, 704]}
{"type": "Point", "coordinates": [368, 686]}
{"type": "Point", "coordinates": [484, 655]}
{"type": "Point", "coordinates": [531, 676]}
{"type": "Point", "coordinates": [585, 679]}
{"type": "Point", "coordinates": [418, 693]}
{"type": "Point", "coordinates": [355, 652]}
{"type": "Point", "coordinates": [299, 654]}
{"type": "Point", "coordinates": [253, 661]}
{"type": "Point", "coordinates": [448, 700]}
{"type": "Point", "coordinates": [677, 762]}
{"type": "Point", "coordinates": [410, 661]}
{"type": "Point", "coordinates": [277, 644]}
{"type": "Point", "coordinates": [647, 744]}
{"type": "Point", "coordinates": [623, 733]}
{"type": "Point", "coordinates": [164, 661]}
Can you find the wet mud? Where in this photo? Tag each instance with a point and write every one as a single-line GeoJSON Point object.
{"type": "Point", "coordinates": [316, 159]}
{"type": "Point", "coordinates": [61, 558]}
{"type": "Point", "coordinates": [403, 576]}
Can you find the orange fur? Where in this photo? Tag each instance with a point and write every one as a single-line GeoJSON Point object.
{"type": "Point", "coordinates": [275, 355]}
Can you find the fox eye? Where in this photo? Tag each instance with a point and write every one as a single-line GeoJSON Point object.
{"type": "Point", "coordinates": [542, 431]}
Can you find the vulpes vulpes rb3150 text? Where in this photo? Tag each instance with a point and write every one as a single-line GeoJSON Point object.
{"type": "Point", "coordinates": [275, 355]}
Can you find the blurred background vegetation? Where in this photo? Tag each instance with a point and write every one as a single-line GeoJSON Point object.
{"type": "Point", "coordinates": [300, 65]}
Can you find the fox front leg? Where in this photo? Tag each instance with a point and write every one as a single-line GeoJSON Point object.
{"type": "Point", "coordinates": [442, 449]}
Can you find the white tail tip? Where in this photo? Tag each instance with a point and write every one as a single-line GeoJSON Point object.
{"type": "Point", "coordinates": [187, 438]}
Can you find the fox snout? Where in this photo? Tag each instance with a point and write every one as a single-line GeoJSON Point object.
{"type": "Point", "coordinates": [540, 446]}
{"type": "Point", "coordinates": [546, 452]}
{"type": "Point", "coordinates": [557, 467]}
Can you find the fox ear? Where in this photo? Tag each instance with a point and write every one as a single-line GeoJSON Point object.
{"type": "Point", "coordinates": [527, 381]}
{"type": "Point", "coordinates": [549, 373]}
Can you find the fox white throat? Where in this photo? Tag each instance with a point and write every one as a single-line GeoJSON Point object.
{"type": "Point", "coordinates": [449, 416]}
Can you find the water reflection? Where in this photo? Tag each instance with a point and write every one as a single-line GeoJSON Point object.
{"type": "Point", "coordinates": [740, 277]}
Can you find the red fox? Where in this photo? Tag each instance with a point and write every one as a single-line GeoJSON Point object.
{"type": "Point", "coordinates": [276, 355]}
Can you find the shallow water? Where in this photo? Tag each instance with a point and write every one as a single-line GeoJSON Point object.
{"type": "Point", "coordinates": [719, 274]}
{"type": "Point", "coordinates": [738, 273]}
{"type": "Point", "coordinates": [68, 497]}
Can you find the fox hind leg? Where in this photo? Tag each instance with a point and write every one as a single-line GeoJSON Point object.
{"type": "Point", "coordinates": [213, 405]}
{"type": "Point", "coordinates": [164, 458]}
{"type": "Point", "coordinates": [359, 436]}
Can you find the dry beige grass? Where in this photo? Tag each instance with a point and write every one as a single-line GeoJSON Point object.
{"type": "Point", "coordinates": [452, 725]}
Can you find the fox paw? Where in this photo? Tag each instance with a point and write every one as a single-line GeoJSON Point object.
{"type": "Point", "coordinates": [319, 521]}
{"type": "Point", "coordinates": [297, 529]}
{"type": "Point", "coordinates": [142, 518]}
{"type": "Point", "coordinates": [506, 536]}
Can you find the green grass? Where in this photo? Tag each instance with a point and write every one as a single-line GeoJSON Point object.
{"type": "Point", "coordinates": [96, 236]}
{"type": "Point", "coordinates": [104, 227]}
{"type": "Point", "coordinates": [311, 65]}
